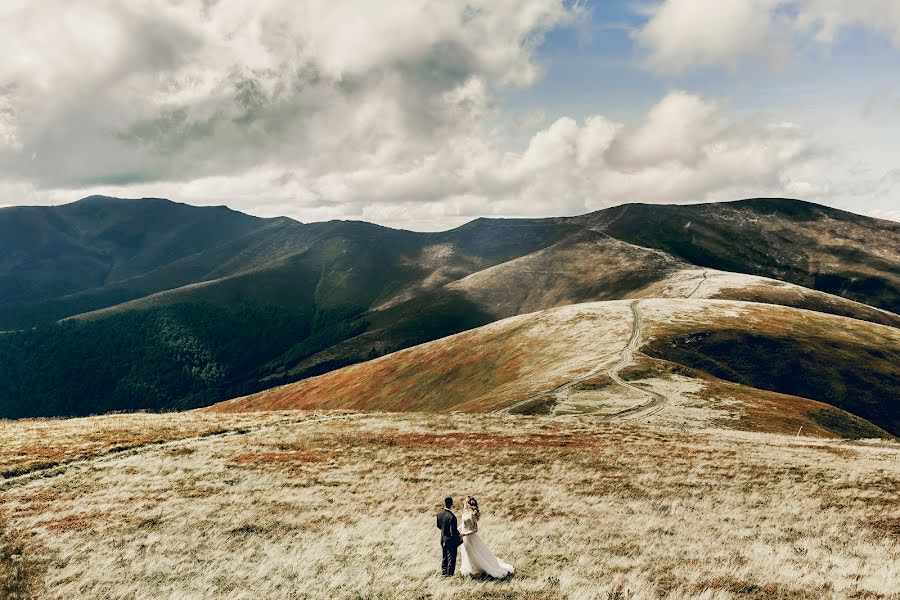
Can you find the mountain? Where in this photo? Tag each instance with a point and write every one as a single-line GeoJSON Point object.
{"type": "Point", "coordinates": [197, 305]}
{"type": "Point", "coordinates": [99, 251]}
{"type": "Point", "coordinates": [746, 365]}
{"type": "Point", "coordinates": [584, 267]}
{"type": "Point", "coordinates": [102, 252]}
{"type": "Point", "coordinates": [814, 246]}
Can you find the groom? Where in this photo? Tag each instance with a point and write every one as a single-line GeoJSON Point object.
{"type": "Point", "coordinates": [450, 538]}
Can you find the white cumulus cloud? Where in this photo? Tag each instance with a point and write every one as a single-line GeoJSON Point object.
{"type": "Point", "coordinates": [686, 34]}
{"type": "Point", "coordinates": [685, 149]}
{"type": "Point", "coordinates": [682, 34]}
{"type": "Point", "coordinates": [105, 91]}
{"type": "Point", "coordinates": [344, 109]}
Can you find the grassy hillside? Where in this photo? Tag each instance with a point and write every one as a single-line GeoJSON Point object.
{"type": "Point", "coordinates": [585, 266]}
{"type": "Point", "coordinates": [861, 378]}
{"type": "Point", "coordinates": [352, 291]}
{"type": "Point", "coordinates": [568, 360]}
{"type": "Point", "coordinates": [811, 245]}
{"type": "Point", "coordinates": [479, 370]}
{"type": "Point", "coordinates": [306, 505]}
{"type": "Point", "coordinates": [240, 332]}
{"type": "Point", "coordinates": [710, 283]}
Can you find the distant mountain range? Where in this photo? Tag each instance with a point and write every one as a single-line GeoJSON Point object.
{"type": "Point", "coordinates": [113, 304]}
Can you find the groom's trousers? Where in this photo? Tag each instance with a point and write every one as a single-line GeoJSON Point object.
{"type": "Point", "coordinates": [448, 558]}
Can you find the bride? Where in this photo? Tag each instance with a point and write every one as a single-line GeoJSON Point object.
{"type": "Point", "coordinates": [477, 557]}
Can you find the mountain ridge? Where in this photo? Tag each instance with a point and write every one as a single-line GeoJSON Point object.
{"type": "Point", "coordinates": [344, 292]}
{"type": "Point", "coordinates": [597, 220]}
{"type": "Point", "coordinates": [526, 357]}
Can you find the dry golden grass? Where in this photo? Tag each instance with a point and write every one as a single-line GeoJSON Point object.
{"type": "Point", "coordinates": [20, 570]}
{"type": "Point", "coordinates": [693, 282]}
{"type": "Point", "coordinates": [520, 362]}
{"type": "Point", "coordinates": [30, 446]}
{"type": "Point", "coordinates": [296, 507]}
{"type": "Point", "coordinates": [475, 371]}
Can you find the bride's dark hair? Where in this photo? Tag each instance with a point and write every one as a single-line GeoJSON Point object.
{"type": "Point", "coordinates": [472, 504]}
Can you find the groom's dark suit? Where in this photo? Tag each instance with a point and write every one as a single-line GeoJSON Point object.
{"type": "Point", "coordinates": [450, 539]}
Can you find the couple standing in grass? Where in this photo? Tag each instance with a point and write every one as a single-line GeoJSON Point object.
{"type": "Point", "coordinates": [477, 557]}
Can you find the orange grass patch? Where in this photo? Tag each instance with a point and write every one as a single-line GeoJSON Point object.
{"type": "Point", "coordinates": [289, 457]}
{"type": "Point", "coordinates": [401, 382]}
{"type": "Point", "coordinates": [38, 503]}
{"type": "Point", "coordinates": [837, 451]}
{"type": "Point", "coordinates": [76, 522]}
{"type": "Point", "coordinates": [45, 444]}
{"type": "Point", "coordinates": [488, 441]}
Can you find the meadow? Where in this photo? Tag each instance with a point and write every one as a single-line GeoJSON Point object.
{"type": "Point", "coordinates": [291, 505]}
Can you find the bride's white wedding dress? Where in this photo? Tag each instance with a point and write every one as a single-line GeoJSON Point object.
{"type": "Point", "coordinates": [477, 557]}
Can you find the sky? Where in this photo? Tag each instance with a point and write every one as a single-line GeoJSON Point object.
{"type": "Point", "coordinates": [424, 114]}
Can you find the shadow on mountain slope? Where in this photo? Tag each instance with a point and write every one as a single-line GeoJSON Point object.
{"type": "Point", "coordinates": [811, 245]}
{"type": "Point", "coordinates": [353, 291]}
{"type": "Point", "coordinates": [857, 377]}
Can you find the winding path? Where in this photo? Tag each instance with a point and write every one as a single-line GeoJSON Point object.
{"type": "Point", "coordinates": [657, 400]}
{"type": "Point", "coordinates": [626, 358]}
{"type": "Point", "coordinates": [702, 281]}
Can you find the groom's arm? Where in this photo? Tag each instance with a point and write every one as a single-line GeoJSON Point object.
{"type": "Point", "coordinates": [453, 530]}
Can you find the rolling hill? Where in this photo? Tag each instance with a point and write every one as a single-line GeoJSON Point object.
{"type": "Point", "coordinates": [680, 361]}
{"type": "Point", "coordinates": [101, 252]}
{"type": "Point", "coordinates": [800, 242]}
{"type": "Point", "coordinates": [58, 261]}
{"type": "Point", "coordinates": [245, 304]}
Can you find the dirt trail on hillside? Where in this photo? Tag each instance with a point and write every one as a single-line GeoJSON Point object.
{"type": "Point", "coordinates": [657, 400]}
{"type": "Point", "coordinates": [116, 453]}
{"type": "Point", "coordinates": [626, 358]}
{"type": "Point", "coordinates": [702, 281]}
{"type": "Point", "coordinates": [617, 217]}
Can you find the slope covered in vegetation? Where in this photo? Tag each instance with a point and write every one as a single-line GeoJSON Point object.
{"type": "Point", "coordinates": [255, 303]}
{"type": "Point", "coordinates": [582, 508]}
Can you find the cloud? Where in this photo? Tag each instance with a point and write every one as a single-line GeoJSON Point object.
{"type": "Point", "coordinates": [339, 109]}
{"type": "Point", "coordinates": [883, 103]}
{"type": "Point", "coordinates": [678, 128]}
{"type": "Point", "coordinates": [681, 35]}
{"type": "Point", "coordinates": [685, 149]}
{"type": "Point", "coordinates": [110, 92]}
{"type": "Point", "coordinates": [825, 18]}
{"type": "Point", "coordinates": [528, 120]}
